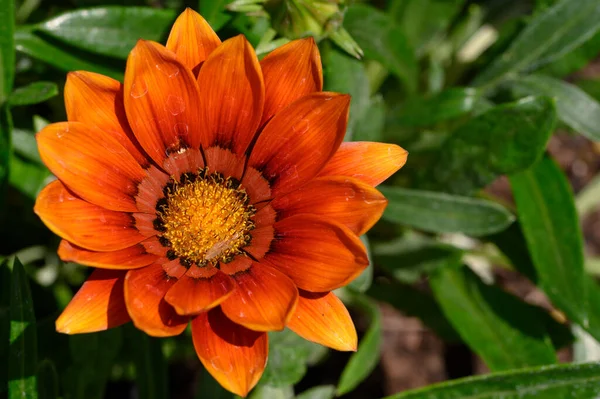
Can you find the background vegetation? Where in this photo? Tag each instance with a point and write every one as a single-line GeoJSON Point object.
{"type": "Point", "coordinates": [474, 90]}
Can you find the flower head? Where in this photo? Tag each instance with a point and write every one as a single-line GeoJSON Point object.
{"type": "Point", "coordinates": [212, 189]}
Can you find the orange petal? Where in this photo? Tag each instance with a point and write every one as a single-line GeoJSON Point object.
{"type": "Point", "coordinates": [144, 295]}
{"type": "Point", "coordinates": [224, 161]}
{"type": "Point", "coordinates": [233, 95]}
{"type": "Point", "coordinates": [366, 161]}
{"type": "Point", "coordinates": [323, 318]}
{"type": "Point", "coordinates": [127, 258]}
{"type": "Point", "coordinates": [345, 200]}
{"type": "Point", "coordinates": [300, 139]}
{"type": "Point", "coordinates": [189, 160]}
{"type": "Point", "coordinates": [84, 224]}
{"type": "Point", "coordinates": [319, 255]}
{"type": "Point", "coordinates": [239, 263]}
{"type": "Point", "coordinates": [234, 355]}
{"type": "Point", "coordinates": [161, 101]}
{"type": "Point", "coordinates": [97, 306]}
{"type": "Point", "coordinates": [263, 300]}
{"type": "Point", "coordinates": [192, 39]}
{"type": "Point", "coordinates": [261, 242]}
{"type": "Point", "coordinates": [192, 295]}
{"type": "Point", "coordinates": [291, 71]}
{"type": "Point", "coordinates": [151, 189]}
{"type": "Point", "coordinates": [97, 100]}
{"type": "Point", "coordinates": [92, 164]}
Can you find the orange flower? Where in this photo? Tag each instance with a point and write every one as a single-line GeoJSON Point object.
{"type": "Point", "coordinates": [214, 189]}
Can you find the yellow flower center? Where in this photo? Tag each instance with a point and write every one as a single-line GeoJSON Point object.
{"type": "Point", "coordinates": [205, 218]}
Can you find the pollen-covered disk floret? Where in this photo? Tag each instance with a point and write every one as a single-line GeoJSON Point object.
{"type": "Point", "coordinates": [204, 217]}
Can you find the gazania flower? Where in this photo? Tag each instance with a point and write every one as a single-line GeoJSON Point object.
{"type": "Point", "coordinates": [212, 189]}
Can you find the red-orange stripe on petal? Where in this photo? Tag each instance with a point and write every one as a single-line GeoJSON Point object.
{"type": "Point", "coordinates": [97, 306]}
{"type": "Point", "coordinates": [264, 299]}
{"type": "Point", "coordinates": [161, 101]}
{"type": "Point", "coordinates": [84, 224]}
{"type": "Point", "coordinates": [323, 318]}
{"type": "Point", "coordinates": [192, 295]}
{"type": "Point", "coordinates": [232, 95]}
{"type": "Point", "coordinates": [367, 161]}
{"type": "Point", "coordinates": [151, 189]}
{"type": "Point", "coordinates": [224, 161]}
{"type": "Point", "coordinates": [127, 258]}
{"type": "Point", "coordinates": [234, 355]}
{"type": "Point", "coordinates": [300, 139]}
{"type": "Point", "coordinates": [144, 296]}
{"type": "Point", "coordinates": [192, 39]}
{"type": "Point", "coordinates": [92, 164]}
{"type": "Point", "coordinates": [97, 100]}
{"type": "Point", "coordinates": [317, 254]}
{"type": "Point", "coordinates": [291, 71]}
{"type": "Point", "coordinates": [345, 200]}
{"type": "Point", "coordinates": [189, 160]}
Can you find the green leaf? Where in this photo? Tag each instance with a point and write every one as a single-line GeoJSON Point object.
{"type": "Point", "coordinates": [574, 60]}
{"type": "Point", "coordinates": [415, 303]}
{"type": "Point", "coordinates": [28, 177]}
{"type": "Point", "coordinates": [33, 93]}
{"type": "Point", "coordinates": [551, 34]}
{"type": "Point", "coordinates": [382, 40]}
{"type": "Point", "coordinates": [444, 213]}
{"type": "Point", "coordinates": [5, 282]}
{"type": "Point", "coordinates": [288, 357]}
{"type": "Point", "coordinates": [504, 140]}
{"type": "Point", "coordinates": [550, 224]}
{"type": "Point", "coordinates": [150, 364]}
{"type": "Point", "coordinates": [269, 392]}
{"type": "Point", "coordinates": [5, 152]}
{"type": "Point", "coordinates": [504, 331]}
{"type": "Point", "coordinates": [344, 74]}
{"type": "Point", "coordinates": [574, 107]}
{"type": "Point", "coordinates": [449, 104]}
{"type": "Point", "coordinates": [7, 48]}
{"type": "Point", "coordinates": [62, 58]}
{"type": "Point", "coordinates": [214, 12]}
{"type": "Point", "coordinates": [362, 363]}
{"type": "Point", "coordinates": [370, 126]}
{"type": "Point", "coordinates": [112, 30]}
{"type": "Point", "coordinates": [208, 387]}
{"type": "Point", "coordinates": [414, 256]}
{"type": "Point", "coordinates": [319, 392]}
{"type": "Point", "coordinates": [22, 354]}
{"type": "Point", "coordinates": [570, 381]}
{"type": "Point", "coordinates": [47, 379]}
{"type": "Point", "coordinates": [24, 144]}
{"type": "Point", "coordinates": [425, 21]}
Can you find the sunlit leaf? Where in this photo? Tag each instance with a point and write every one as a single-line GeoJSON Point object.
{"type": "Point", "coordinates": [111, 31]}
{"type": "Point", "coordinates": [551, 34]}
{"type": "Point", "coordinates": [33, 93]}
{"type": "Point", "coordinates": [504, 140]}
{"type": "Point", "coordinates": [571, 381]}
{"type": "Point", "coordinates": [61, 57]}
{"type": "Point", "coordinates": [550, 224]}
{"type": "Point", "coordinates": [362, 363]}
{"type": "Point", "coordinates": [575, 108]}
{"type": "Point", "coordinates": [444, 213]}
{"type": "Point", "coordinates": [22, 354]}
{"type": "Point", "coordinates": [382, 40]}
{"type": "Point", "coordinates": [506, 332]}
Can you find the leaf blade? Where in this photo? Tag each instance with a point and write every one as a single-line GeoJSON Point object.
{"type": "Point", "coordinates": [444, 213]}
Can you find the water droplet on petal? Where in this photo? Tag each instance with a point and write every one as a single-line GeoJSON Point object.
{"type": "Point", "coordinates": [301, 127]}
{"type": "Point", "coordinates": [171, 70]}
{"type": "Point", "coordinates": [175, 105]}
{"type": "Point", "coordinates": [139, 88]}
